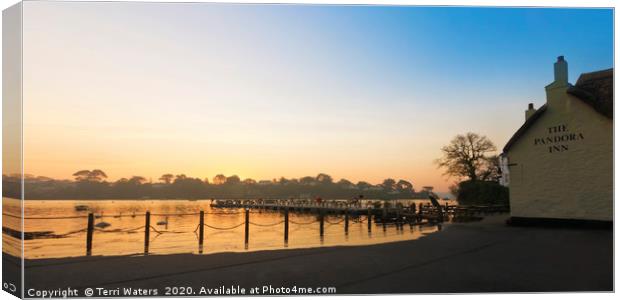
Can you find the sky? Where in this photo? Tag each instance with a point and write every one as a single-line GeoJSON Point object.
{"type": "Point", "coordinates": [264, 91]}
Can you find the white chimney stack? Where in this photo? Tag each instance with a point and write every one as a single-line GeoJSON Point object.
{"type": "Point", "coordinates": [530, 111]}
{"type": "Point", "coordinates": [560, 71]}
{"type": "Point", "coordinates": [556, 91]}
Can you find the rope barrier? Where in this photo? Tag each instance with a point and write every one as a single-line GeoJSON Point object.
{"type": "Point", "coordinates": [167, 231]}
{"type": "Point", "coordinates": [267, 225]}
{"type": "Point", "coordinates": [334, 223]}
{"type": "Point", "coordinates": [224, 228]}
{"type": "Point", "coordinates": [135, 229]}
{"type": "Point", "coordinates": [69, 233]}
{"type": "Point", "coordinates": [119, 216]}
{"type": "Point", "coordinates": [303, 223]}
{"type": "Point", "coordinates": [175, 215]}
{"type": "Point", "coordinates": [223, 213]}
{"type": "Point", "coordinates": [155, 229]}
{"type": "Point", "coordinates": [119, 230]}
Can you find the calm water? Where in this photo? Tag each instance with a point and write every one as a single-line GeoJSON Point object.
{"type": "Point", "coordinates": [178, 235]}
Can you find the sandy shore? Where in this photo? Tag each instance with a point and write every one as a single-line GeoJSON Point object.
{"type": "Point", "coordinates": [485, 256]}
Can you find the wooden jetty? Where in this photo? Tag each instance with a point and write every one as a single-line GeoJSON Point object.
{"type": "Point", "coordinates": [424, 211]}
{"type": "Point", "coordinates": [337, 207]}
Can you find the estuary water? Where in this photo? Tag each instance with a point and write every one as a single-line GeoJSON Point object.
{"type": "Point", "coordinates": [57, 228]}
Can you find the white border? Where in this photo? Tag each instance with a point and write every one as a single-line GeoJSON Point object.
{"type": "Point", "coordinates": [507, 3]}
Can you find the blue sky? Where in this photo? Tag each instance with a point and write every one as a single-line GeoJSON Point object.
{"type": "Point", "coordinates": [263, 91]}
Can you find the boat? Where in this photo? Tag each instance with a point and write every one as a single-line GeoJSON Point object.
{"type": "Point", "coordinates": [102, 225]}
{"type": "Point", "coordinates": [81, 207]}
{"type": "Point", "coordinates": [163, 222]}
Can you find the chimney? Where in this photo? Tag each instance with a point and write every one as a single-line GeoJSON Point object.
{"type": "Point", "coordinates": [560, 71]}
{"type": "Point", "coordinates": [560, 74]}
{"type": "Point", "coordinates": [530, 111]}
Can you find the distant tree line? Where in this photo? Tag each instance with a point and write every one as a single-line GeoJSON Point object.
{"type": "Point", "coordinates": [93, 184]}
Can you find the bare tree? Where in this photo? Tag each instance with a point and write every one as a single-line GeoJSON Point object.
{"type": "Point", "coordinates": [467, 156]}
{"type": "Point", "coordinates": [492, 170]}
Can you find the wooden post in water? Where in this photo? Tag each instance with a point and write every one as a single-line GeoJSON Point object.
{"type": "Point", "coordinates": [420, 212]}
{"type": "Point", "coordinates": [247, 227]}
{"type": "Point", "coordinates": [398, 220]}
{"type": "Point", "coordinates": [346, 221]}
{"type": "Point", "coordinates": [369, 220]}
{"type": "Point", "coordinates": [439, 214]}
{"type": "Point", "coordinates": [384, 215]}
{"type": "Point", "coordinates": [89, 233]}
{"type": "Point", "coordinates": [201, 231]}
{"type": "Point", "coordinates": [147, 231]}
{"type": "Point", "coordinates": [321, 223]}
{"type": "Point", "coordinates": [286, 226]}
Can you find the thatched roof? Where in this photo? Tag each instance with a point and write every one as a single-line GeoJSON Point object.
{"type": "Point", "coordinates": [597, 90]}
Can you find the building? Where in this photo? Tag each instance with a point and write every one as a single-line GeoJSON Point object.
{"type": "Point", "coordinates": [560, 162]}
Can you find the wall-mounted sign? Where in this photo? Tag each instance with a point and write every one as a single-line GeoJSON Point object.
{"type": "Point", "coordinates": [558, 139]}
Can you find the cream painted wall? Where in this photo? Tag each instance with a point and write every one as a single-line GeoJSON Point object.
{"type": "Point", "coordinates": [576, 183]}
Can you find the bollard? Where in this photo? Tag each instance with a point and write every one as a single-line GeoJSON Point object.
{"type": "Point", "coordinates": [286, 226]}
{"type": "Point", "coordinates": [89, 233]}
{"type": "Point", "coordinates": [247, 227]}
{"type": "Point", "coordinates": [346, 222]}
{"type": "Point", "coordinates": [147, 228]}
{"type": "Point", "coordinates": [369, 220]}
{"type": "Point", "coordinates": [201, 230]}
{"type": "Point", "coordinates": [321, 223]}
{"type": "Point", "coordinates": [439, 214]}
{"type": "Point", "coordinates": [419, 212]}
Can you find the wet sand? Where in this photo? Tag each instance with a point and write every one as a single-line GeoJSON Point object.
{"type": "Point", "coordinates": [485, 256]}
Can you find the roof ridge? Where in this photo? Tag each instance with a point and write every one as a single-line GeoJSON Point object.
{"type": "Point", "coordinates": [595, 75]}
